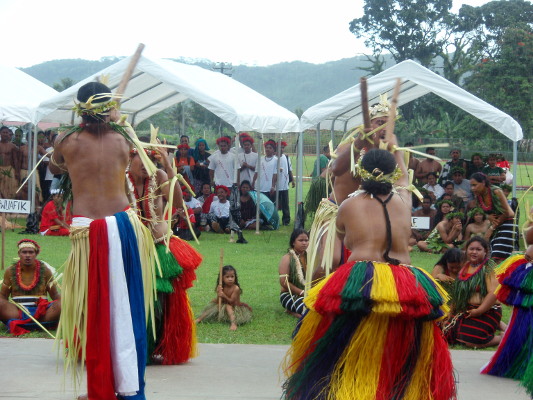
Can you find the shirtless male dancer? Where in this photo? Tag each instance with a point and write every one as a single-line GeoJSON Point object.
{"type": "Point", "coordinates": [106, 239]}
{"type": "Point", "coordinates": [9, 164]}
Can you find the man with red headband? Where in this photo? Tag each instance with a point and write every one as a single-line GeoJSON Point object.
{"type": "Point", "coordinates": [28, 282]}
{"type": "Point", "coordinates": [247, 159]}
{"type": "Point", "coordinates": [284, 178]}
{"type": "Point", "coordinates": [222, 164]}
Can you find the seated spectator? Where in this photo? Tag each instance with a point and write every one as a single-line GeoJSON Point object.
{"type": "Point", "coordinates": [218, 216]}
{"type": "Point", "coordinates": [458, 203]}
{"type": "Point", "coordinates": [444, 207]}
{"type": "Point", "coordinates": [455, 161]}
{"type": "Point", "coordinates": [185, 162]}
{"type": "Point", "coordinates": [28, 282]}
{"type": "Point", "coordinates": [478, 224]}
{"type": "Point", "coordinates": [56, 219]}
{"type": "Point", "coordinates": [248, 208]}
{"type": "Point", "coordinates": [476, 165]}
{"type": "Point", "coordinates": [461, 186]}
{"type": "Point", "coordinates": [193, 204]}
{"type": "Point", "coordinates": [181, 228]}
{"type": "Point", "coordinates": [447, 234]}
{"type": "Point", "coordinates": [448, 266]}
{"type": "Point", "coordinates": [475, 313]}
{"type": "Point", "coordinates": [426, 211]}
{"type": "Point", "coordinates": [495, 174]}
{"type": "Point", "coordinates": [292, 269]}
{"type": "Point", "coordinates": [426, 166]}
{"type": "Point", "coordinates": [205, 199]}
{"type": "Point", "coordinates": [502, 162]}
{"type": "Point", "coordinates": [434, 189]}
{"type": "Point", "coordinates": [201, 170]}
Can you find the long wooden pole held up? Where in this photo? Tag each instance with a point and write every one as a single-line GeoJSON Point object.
{"type": "Point", "coordinates": [128, 73]}
{"type": "Point", "coordinates": [392, 112]}
{"type": "Point", "coordinates": [364, 103]}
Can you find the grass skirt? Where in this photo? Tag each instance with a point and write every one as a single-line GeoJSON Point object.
{"type": "Point", "coordinates": [175, 341]}
{"type": "Point", "coordinates": [243, 313]}
{"type": "Point", "coordinates": [370, 333]}
{"type": "Point", "coordinates": [514, 356]}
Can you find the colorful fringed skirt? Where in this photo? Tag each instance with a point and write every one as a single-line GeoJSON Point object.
{"type": "Point", "coordinates": [370, 333]}
{"type": "Point", "coordinates": [175, 339]}
{"type": "Point", "coordinates": [107, 296]}
{"type": "Point", "coordinates": [514, 356]}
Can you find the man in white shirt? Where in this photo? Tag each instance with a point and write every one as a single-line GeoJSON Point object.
{"type": "Point", "coordinates": [222, 164]}
{"type": "Point", "coordinates": [219, 211]}
{"type": "Point", "coordinates": [247, 160]}
{"type": "Point", "coordinates": [285, 176]}
{"type": "Point", "coordinates": [268, 171]}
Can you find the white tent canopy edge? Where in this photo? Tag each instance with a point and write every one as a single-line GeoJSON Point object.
{"type": "Point", "coordinates": [158, 84]}
{"type": "Point", "coordinates": [343, 111]}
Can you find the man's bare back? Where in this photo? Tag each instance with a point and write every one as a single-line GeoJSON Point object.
{"type": "Point", "coordinates": [96, 163]}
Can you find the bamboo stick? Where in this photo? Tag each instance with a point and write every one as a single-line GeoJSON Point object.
{"type": "Point", "coordinates": [364, 103]}
{"type": "Point", "coordinates": [220, 278]}
{"type": "Point", "coordinates": [128, 73]}
{"type": "Point", "coordinates": [392, 112]}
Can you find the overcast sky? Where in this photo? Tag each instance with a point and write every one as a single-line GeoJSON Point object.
{"type": "Point", "coordinates": [239, 31]}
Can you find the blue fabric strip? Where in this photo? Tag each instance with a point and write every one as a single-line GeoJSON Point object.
{"type": "Point", "coordinates": [133, 271]}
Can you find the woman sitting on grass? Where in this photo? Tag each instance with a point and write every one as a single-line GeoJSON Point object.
{"type": "Point", "coordinates": [475, 312]}
{"type": "Point", "coordinates": [478, 225]}
{"type": "Point", "coordinates": [231, 310]}
{"type": "Point", "coordinates": [292, 269]}
{"type": "Point", "coordinates": [448, 266]}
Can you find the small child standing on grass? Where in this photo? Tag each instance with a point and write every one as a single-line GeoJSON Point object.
{"type": "Point", "coordinates": [232, 310]}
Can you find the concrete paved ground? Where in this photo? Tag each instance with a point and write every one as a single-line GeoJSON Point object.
{"type": "Point", "coordinates": [29, 370]}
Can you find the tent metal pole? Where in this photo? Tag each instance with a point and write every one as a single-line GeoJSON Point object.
{"type": "Point", "coordinates": [300, 168]}
{"type": "Point", "coordinates": [515, 164]}
{"type": "Point", "coordinates": [317, 162]}
{"type": "Point", "coordinates": [258, 187]}
{"type": "Point", "coordinates": [32, 183]}
{"type": "Point", "coordinates": [278, 166]}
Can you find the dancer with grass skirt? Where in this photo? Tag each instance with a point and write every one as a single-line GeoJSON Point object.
{"type": "Point", "coordinates": [514, 357]}
{"type": "Point", "coordinates": [370, 330]}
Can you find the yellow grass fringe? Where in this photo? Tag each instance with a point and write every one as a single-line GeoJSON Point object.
{"type": "Point", "coordinates": [420, 385]}
{"type": "Point", "coordinates": [361, 362]}
{"type": "Point", "coordinates": [384, 292]}
{"type": "Point", "coordinates": [322, 239]}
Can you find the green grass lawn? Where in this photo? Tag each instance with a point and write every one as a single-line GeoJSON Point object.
{"type": "Point", "coordinates": [257, 267]}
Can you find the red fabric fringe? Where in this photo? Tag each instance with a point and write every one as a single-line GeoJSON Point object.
{"type": "Point", "coordinates": [188, 258]}
{"type": "Point", "coordinates": [100, 379]}
{"type": "Point", "coordinates": [412, 296]}
{"type": "Point", "coordinates": [329, 299]}
{"type": "Point", "coordinates": [176, 342]}
{"type": "Point", "coordinates": [397, 345]}
{"type": "Point", "coordinates": [15, 326]}
{"type": "Point", "coordinates": [442, 380]}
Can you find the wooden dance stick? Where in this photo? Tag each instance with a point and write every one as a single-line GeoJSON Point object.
{"type": "Point", "coordinates": [364, 103]}
{"type": "Point", "coordinates": [220, 278]}
{"type": "Point", "coordinates": [128, 73]}
{"type": "Point", "coordinates": [392, 112]}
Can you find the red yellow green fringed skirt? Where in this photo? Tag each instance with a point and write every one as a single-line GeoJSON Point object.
{"type": "Point", "coordinates": [370, 333]}
{"type": "Point", "coordinates": [514, 356]}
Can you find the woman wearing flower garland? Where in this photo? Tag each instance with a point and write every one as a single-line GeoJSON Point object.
{"type": "Point", "coordinates": [174, 325]}
{"type": "Point", "coordinates": [292, 268]}
{"type": "Point", "coordinates": [478, 225]}
{"type": "Point", "coordinates": [475, 312]}
{"type": "Point", "coordinates": [370, 329]}
{"type": "Point", "coordinates": [502, 226]}
{"type": "Point", "coordinates": [447, 234]}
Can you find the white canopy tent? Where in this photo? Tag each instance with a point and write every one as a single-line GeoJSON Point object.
{"type": "Point", "coordinates": [20, 95]}
{"type": "Point", "coordinates": [158, 84]}
{"type": "Point", "coordinates": [19, 98]}
{"type": "Point", "coordinates": [343, 111]}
